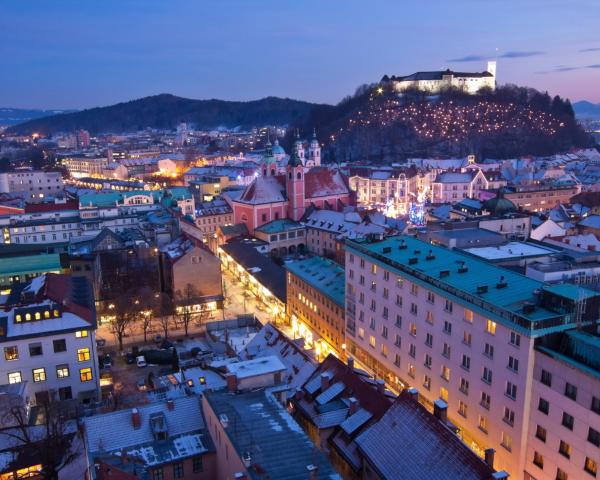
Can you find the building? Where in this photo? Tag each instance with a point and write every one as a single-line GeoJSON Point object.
{"type": "Point", "coordinates": [48, 339]}
{"type": "Point", "coordinates": [23, 269]}
{"type": "Point", "coordinates": [163, 440]}
{"type": "Point", "coordinates": [315, 303]}
{"type": "Point", "coordinates": [433, 82]}
{"type": "Point", "coordinates": [283, 237]}
{"type": "Point", "coordinates": [460, 329]}
{"type": "Point", "coordinates": [34, 185]}
{"type": "Point", "coordinates": [256, 438]}
{"type": "Point", "coordinates": [213, 214]}
{"type": "Point", "coordinates": [540, 198]}
{"type": "Point", "coordinates": [85, 166]}
{"type": "Point", "coordinates": [563, 437]}
{"type": "Point", "coordinates": [272, 196]}
{"type": "Point", "coordinates": [452, 187]}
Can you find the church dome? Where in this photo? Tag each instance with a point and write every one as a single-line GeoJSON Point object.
{"type": "Point", "coordinates": [278, 149]}
{"type": "Point", "coordinates": [499, 205]}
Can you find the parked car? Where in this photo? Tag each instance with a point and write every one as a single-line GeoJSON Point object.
{"type": "Point", "coordinates": [141, 385]}
{"type": "Point", "coordinates": [130, 358]}
{"type": "Point", "coordinates": [100, 342]}
{"type": "Point", "coordinates": [106, 361]}
{"type": "Point", "coordinates": [165, 345]}
{"type": "Point", "coordinates": [141, 361]}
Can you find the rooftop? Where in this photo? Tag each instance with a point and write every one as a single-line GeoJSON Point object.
{"type": "Point", "coordinates": [277, 226]}
{"type": "Point", "coordinates": [261, 427]}
{"type": "Point", "coordinates": [42, 263]}
{"type": "Point", "coordinates": [323, 274]}
{"type": "Point", "coordinates": [255, 367]}
{"type": "Point", "coordinates": [510, 250]}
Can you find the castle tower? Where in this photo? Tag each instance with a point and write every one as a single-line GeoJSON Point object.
{"type": "Point", "coordinates": [294, 186]}
{"type": "Point", "coordinates": [269, 167]}
{"type": "Point", "coordinates": [491, 67]}
{"type": "Point", "coordinates": [314, 151]}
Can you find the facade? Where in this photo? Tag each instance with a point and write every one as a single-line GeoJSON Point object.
{"type": "Point", "coordinates": [85, 166]}
{"type": "Point", "coordinates": [48, 339]}
{"type": "Point", "coordinates": [470, 82]}
{"type": "Point", "coordinates": [452, 187]}
{"type": "Point", "coordinates": [460, 329]}
{"type": "Point", "coordinates": [283, 237]}
{"type": "Point", "coordinates": [315, 303]}
{"type": "Point", "coordinates": [23, 269]}
{"type": "Point", "coordinates": [210, 215]}
{"type": "Point", "coordinates": [564, 425]}
{"type": "Point", "coordinates": [33, 184]}
{"type": "Point", "coordinates": [540, 198]}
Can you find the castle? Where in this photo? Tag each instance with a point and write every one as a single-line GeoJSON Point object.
{"type": "Point", "coordinates": [433, 82]}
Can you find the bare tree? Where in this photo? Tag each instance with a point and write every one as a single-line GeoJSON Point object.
{"type": "Point", "coordinates": [124, 314]}
{"type": "Point", "coordinates": [164, 312]}
{"type": "Point", "coordinates": [184, 301]}
{"type": "Point", "coordinates": [52, 440]}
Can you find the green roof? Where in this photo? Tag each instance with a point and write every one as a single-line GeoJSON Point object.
{"type": "Point", "coordinates": [106, 199]}
{"type": "Point", "coordinates": [322, 274]}
{"type": "Point", "coordinates": [48, 262]}
{"type": "Point", "coordinates": [277, 226]}
{"type": "Point", "coordinates": [570, 291]}
{"type": "Point", "coordinates": [497, 292]}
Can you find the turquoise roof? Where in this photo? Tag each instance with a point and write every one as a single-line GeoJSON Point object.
{"type": "Point", "coordinates": [570, 291]}
{"type": "Point", "coordinates": [277, 226]}
{"type": "Point", "coordinates": [495, 292]}
{"type": "Point", "coordinates": [579, 349]}
{"type": "Point", "coordinates": [106, 199]}
{"type": "Point", "coordinates": [47, 262]}
{"type": "Point", "coordinates": [180, 193]}
{"type": "Point", "coordinates": [322, 274]}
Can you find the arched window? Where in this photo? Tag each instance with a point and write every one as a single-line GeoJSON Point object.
{"type": "Point", "coordinates": [46, 314]}
{"type": "Point", "coordinates": [28, 317]}
{"type": "Point", "coordinates": [38, 316]}
{"type": "Point", "coordinates": [272, 171]}
{"type": "Point", "coordinates": [299, 176]}
{"type": "Point", "coordinates": [290, 175]}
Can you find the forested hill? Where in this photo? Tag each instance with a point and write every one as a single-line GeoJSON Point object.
{"type": "Point", "coordinates": [167, 111]}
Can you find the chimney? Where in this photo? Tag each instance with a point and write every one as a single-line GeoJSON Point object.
{"type": "Point", "coordinates": [312, 471]}
{"type": "Point", "coordinates": [231, 382]}
{"type": "Point", "coordinates": [440, 410]}
{"type": "Point", "coordinates": [325, 380]}
{"type": "Point", "coordinates": [136, 419]}
{"type": "Point", "coordinates": [380, 385]}
{"type": "Point", "coordinates": [413, 394]}
{"type": "Point", "coordinates": [352, 406]}
{"type": "Point", "coordinates": [170, 405]}
{"type": "Point", "coordinates": [489, 457]}
{"type": "Point", "coordinates": [350, 363]}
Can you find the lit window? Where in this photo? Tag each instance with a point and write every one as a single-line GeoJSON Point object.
{"type": "Point", "coordinates": [444, 394]}
{"type": "Point", "coordinates": [83, 354]}
{"type": "Point", "coordinates": [81, 333]}
{"type": "Point", "coordinates": [491, 327]}
{"type": "Point", "coordinates": [11, 353]}
{"type": "Point", "coordinates": [62, 371]}
{"type": "Point", "coordinates": [506, 441]}
{"type": "Point", "coordinates": [85, 374]}
{"type": "Point", "coordinates": [14, 377]}
{"type": "Point", "coordinates": [372, 341]}
{"type": "Point", "coordinates": [468, 315]}
{"type": "Point", "coordinates": [38, 316]}
{"type": "Point", "coordinates": [39, 374]}
{"type": "Point", "coordinates": [18, 318]}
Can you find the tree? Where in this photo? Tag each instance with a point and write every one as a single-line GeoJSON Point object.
{"type": "Point", "coordinates": [184, 305]}
{"type": "Point", "coordinates": [52, 439]}
{"type": "Point", "coordinates": [123, 315]}
{"type": "Point", "coordinates": [164, 311]}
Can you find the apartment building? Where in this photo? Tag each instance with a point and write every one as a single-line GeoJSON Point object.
{"type": "Point", "coordinates": [47, 336]}
{"type": "Point", "coordinates": [79, 167]}
{"type": "Point", "coordinates": [539, 198]}
{"type": "Point", "coordinates": [564, 425]}
{"type": "Point", "coordinates": [452, 187]}
{"type": "Point", "coordinates": [460, 330]}
{"type": "Point", "coordinates": [32, 184]}
{"type": "Point", "coordinates": [315, 303]}
{"type": "Point", "coordinates": [210, 215]}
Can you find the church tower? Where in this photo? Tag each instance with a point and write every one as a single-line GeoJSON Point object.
{"type": "Point", "coordinates": [314, 152]}
{"type": "Point", "coordinates": [269, 165]}
{"type": "Point", "coordinates": [299, 147]}
{"type": "Point", "coordinates": [294, 186]}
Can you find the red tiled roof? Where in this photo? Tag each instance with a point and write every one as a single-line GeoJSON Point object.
{"type": "Point", "coordinates": [323, 182]}
{"type": "Point", "coordinates": [59, 288]}
{"type": "Point", "coordinates": [51, 207]}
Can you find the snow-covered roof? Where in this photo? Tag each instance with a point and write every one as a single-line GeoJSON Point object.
{"type": "Point", "coordinates": [255, 367]}
{"type": "Point", "coordinates": [593, 221]}
{"type": "Point", "coordinates": [509, 250]}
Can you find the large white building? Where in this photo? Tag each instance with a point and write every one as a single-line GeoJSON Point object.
{"type": "Point", "coordinates": [47, 336]}
{"type": "Point", "coordinates": [32, 184]}
{"type": "Point", "coordinates": [433, 82]}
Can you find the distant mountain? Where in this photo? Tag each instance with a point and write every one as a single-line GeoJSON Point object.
{"type": "Point", "coordinates": [167, 111]}
{"type": "Point", "coordinates": [585, 109]}
{"type": "Point", "coordinates": [14, 116]}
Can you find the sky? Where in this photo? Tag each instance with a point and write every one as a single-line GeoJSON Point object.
{"type": "Point", "coordinates": [81, 54]}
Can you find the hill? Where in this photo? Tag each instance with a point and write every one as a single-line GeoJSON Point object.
{"type": "Point", "coordinates": [585, 109]}
{"type": "Point", "coordinates": [14, 116]}
{"type": "Point", "coordinates": [167, 111]}
{"type": "Point", "coordinates": [378, 125]}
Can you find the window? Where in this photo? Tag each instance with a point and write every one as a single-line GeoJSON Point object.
{"type": "Point", "coordinates": [60, 345]}
{"type": "Point", "coordinates": [372, 324]}
{"type": "Point", "coordinates": [595, 407]}
{"type": "Point", "coordinates": [445, 373]}
{"type": "Point", "coordinates": [11, 353]}
{"type": "Point", "coordinates": [412, 351]}
{"type": "Point", "coordinates": [546, 378]}
{"type": "Point", "coordinates": [427, 361]}
{"type": "Point", "coordinates": [483, 424]}
{"type": "Point", "coordinates": [466, 362]}
{"type": "Point", "coordinates": [81, 333]}
{"type": "Point", "coordinates": [444, 394]}
{"type": "Point", "coordinates": [384, 331]}
{"type": "Point", "coordinates": [178, 470]}
{"type": "Point", "coordinates": [413, 329]}
{"type": "Point", "coordinates": [468, 315]}
{"type": "Point", "coordinates": [398, 322]}
{"type": "Point", "coordinates": [515, 339]}
{"type": "Point", "coordinates": [511, 390]}
{"type": "Point", "coordinates": [485, 400]}
{"type": "Point", "coordinates": [157, 474]}
{"type": "Point", "coordinates": [509, 416]}
{"type": "Point", "coordinates": [561, 475]}
{"type": "Point", "coordinates": [386, 275]}
{"type": "Point", "coordinates": [513, 364]}
{"type": "Point", "coordinates": [593, 436]}
{"type": "Point", "coordinates": [429, 340]}
{"type": "Point", "coordinates": [85, 374]}
{"type": "Point", "coordinates": [568, 421]}
{"type": "Point", "coordinates": [430, 297]}
{"type": "Point", "coordinates": [399, 282]}
{"type": "Point", "coordinates": [488, 351]}
{"type": "Point", "coordinates": [506, 441]}
{"type": "Point", "coordinates": [62, 371]}
{"type": "Point", "coordinates": [590, 466]}
{"type": "Point", "coordinates": [398, 341]}
{"type": "Point", "coordinates": [83, 354]}
{"type": "Point", "coordinates": [467, 338]}
{"type": "Point", "coordinates": [39, 374]}
{"type": "Point", "coordinates": [543, 406]}
{"type": "Point", "coordinates": [540, 433]}
{"type": "Point", "coordinates": [447, 327]}
{"type": "Point", "coordinates": [538, 460]}
{"type": "Point", "coordinates": [398, 300]}
{"type": "Point", "coordinates": [411, 370]}
{"type": "Point", "coordinates": [14, 377]}
{"type": "Point", "coordinates": [427, 382]}
{"type": "Point", "coordinates": [487, 375]}
{"type": "Point", "coordinates": [65, 393]}
{"type": "Point", "coordinates": [571, 391]}
{"type": "Point", "coordinates": [429, 318]}
{"type": "Point", "coordinates": [197, 464]}
{"type": "Point", "coordinates": [462, 408]}
{"type": "Point", "coordinates": [564, 449]}
{"type": "Point", "coordinates": [414, 289]}
{"type": "Point", "coordinates": [446, 350]}
{"type": "Point", "coordinates": [464, 386]}
{"type": "Point", "coordinates": [491, 327]}
{"type": "Point", "coordinates": [397, 360]}
{"type": "Point", "coordinates": [413, 308]}
{"type": "Point", "coordinates": [35, 349]}
{"type": "Point", "coordinates": [448, 306]}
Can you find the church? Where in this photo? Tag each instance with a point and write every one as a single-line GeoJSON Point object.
{"type": "Point", "coordinates": [285, 192]}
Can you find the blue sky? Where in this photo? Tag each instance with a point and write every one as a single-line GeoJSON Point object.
{"type": "Point", "coordinates": [78, 54]}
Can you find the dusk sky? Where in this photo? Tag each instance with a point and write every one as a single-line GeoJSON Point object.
{"type": "Point", "coordinates": [79, 54]}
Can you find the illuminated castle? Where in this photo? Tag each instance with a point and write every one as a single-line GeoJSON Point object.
{"type": "Point", "coordinates": [435, 81]}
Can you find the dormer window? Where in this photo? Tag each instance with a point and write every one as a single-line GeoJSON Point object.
{"type": "Point", "coordinates": [47, 314]}
{"type": "Point", "coordinates": [18, 318]}
{"type": "Point", "coordinates": [38, 316]}
{"type": "Point", "coordinates": [28, 317]}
